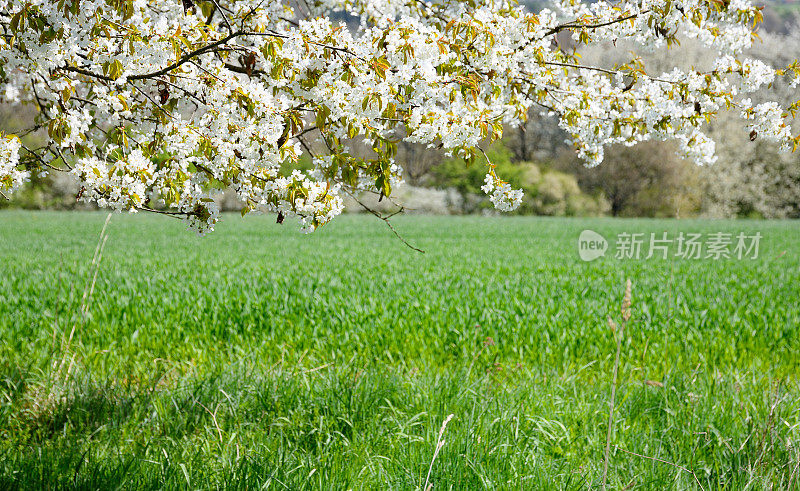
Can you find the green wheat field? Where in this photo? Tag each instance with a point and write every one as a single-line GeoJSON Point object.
{"type": "Point", "coordinates": [258, 357]}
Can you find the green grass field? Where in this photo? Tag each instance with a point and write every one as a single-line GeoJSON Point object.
{"type": "Point", "coordinates": [261, 357]}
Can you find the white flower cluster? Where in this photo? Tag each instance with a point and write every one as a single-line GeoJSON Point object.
{"type": "Point", "coordinates": [698, 147]}
{"type": "Point", "coordinates": [196, 100]}
{"type": "Point", "coordinates": [308, 206]}
{"type": "Point", "coordinates": [767, 121]}
{"type": "Point", "coordinates": [121, 185]}
{"type": "Point", "coordinates": [502, 196]}
{"type": "Point", "coordinates": [10, 176]}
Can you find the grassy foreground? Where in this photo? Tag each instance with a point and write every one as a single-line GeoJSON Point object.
{"type": "Point", "coordinates": [260, 357]}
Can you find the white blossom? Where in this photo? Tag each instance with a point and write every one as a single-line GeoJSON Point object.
{"type": "Point", "coordinates": [502, 196]}
{"type": "Point", "coordinates": [153, 104]}
{"type": "Point", "coordinates": [10, 176]}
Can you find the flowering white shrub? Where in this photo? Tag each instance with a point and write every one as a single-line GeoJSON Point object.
{"type": "Point", "coordinates": [158, 101]}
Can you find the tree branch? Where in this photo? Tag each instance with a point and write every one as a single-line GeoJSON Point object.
{"type": "Point", "coordinates": [386, 221]}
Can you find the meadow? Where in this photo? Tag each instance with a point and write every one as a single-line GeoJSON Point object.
{"type": "Point", "coordinates": [258, 357]}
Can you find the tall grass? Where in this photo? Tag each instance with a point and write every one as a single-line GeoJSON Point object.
{"type": "Point", "coordinates": [257, 357]}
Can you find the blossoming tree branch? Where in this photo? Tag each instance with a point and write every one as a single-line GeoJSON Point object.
{"type": "Point", "coordinates": [160, 104]}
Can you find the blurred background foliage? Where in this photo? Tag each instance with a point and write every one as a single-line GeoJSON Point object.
{"type": "Point", "coordinates": [548, 191]}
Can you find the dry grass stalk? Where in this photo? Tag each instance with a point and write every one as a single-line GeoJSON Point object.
{"type": "Point", "coordinates": [625, 312]}
{"type": "Point", "coordinates": [439, 444]}
{"type": "Point", "coordinates": [626, 315]}
{"type": "Point", "coordinates": [86, 299]}
{"type": "Point", "coordinates": [684, 469]}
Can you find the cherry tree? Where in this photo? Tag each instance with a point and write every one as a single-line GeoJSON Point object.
{"type": "Point", "coordinates": [159, 105]}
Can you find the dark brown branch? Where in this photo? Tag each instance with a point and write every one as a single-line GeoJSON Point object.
{"type": "Point", "coordinates": [224, 17]}
{"type": "Point", "coordinates": [41, 160]}
{"type": "Point", "coordinates": [386, 221]}
{"type": "Point", "coordinates": [174, 214]}
{"type": "Point", "coordinates": [183, 59]}
{"type": "Point", "coordinates": [577, 25]}
{"type": "Point", "coordinates": [238, 69]}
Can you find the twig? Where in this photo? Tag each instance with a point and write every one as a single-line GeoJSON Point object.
{"type": "Point", "coordinates": [577, 25]}
{"type": "Point", "coordinates": [40, 159]}
{"type": "Point", "coordinates": [611, 412]}
{"type": "Point", "coordinates": [94, 277]}
{"type": "Point", "coordinates": [173, 214]}
{"type": "Point", "coordinates": [387, 222]}
{"type": "Point", "coordinates": [98, 255]}
{"type": "Point", "coordinates": [768, 427]}
{"type": "Point", "coordinates": [183, 59]}
{"type": "Point", "coordinates": [224, 17]}
{"type": "Point", "coordinates": [684, 469]}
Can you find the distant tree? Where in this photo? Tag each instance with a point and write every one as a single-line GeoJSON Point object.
{"type": "Point", "coordinates": [538, 138]}
{"type": "Point", "coordinates": [555, 193]}
{"type": "Point", "coordinates": [644, 180]}
{"type": "Point", "coordinates": [751, 179]}
{"type": "Point", "coordinates": [417, 161]}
